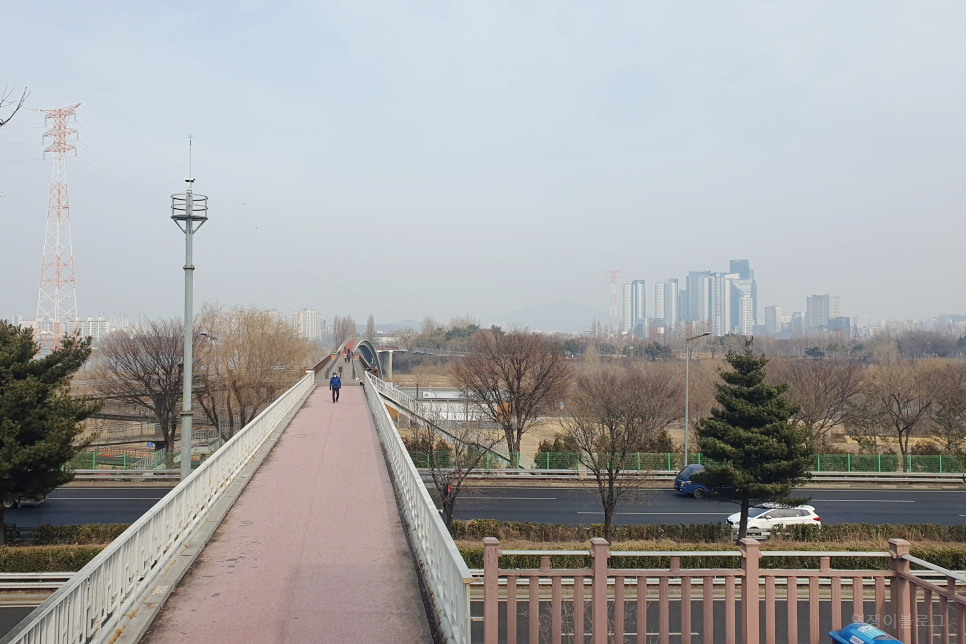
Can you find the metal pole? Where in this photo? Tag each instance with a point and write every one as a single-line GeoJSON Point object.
{"type": "Point", "coordinates": [186, 414]}
{"type": "Point", "coordinates": [189, 209]}
{"type": "Point", "coordinates": [687, 385]}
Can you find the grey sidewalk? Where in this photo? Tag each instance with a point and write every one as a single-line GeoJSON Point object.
{"type": "Point", "coordinates": [312, 551]}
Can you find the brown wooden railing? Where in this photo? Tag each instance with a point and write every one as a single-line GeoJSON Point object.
{"type": "Point", "coordinates": [601, 604]}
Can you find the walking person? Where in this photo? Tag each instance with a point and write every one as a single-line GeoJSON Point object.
{"type": "Point", "coordinates": [335, 384]}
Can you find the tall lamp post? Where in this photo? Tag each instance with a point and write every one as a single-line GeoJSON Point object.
{"type": "Point", "coordinates": [687, 386]}
{"type": "Point", "coordinates": [190, 212]}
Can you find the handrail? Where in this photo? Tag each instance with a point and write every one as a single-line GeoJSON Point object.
{"type": "Point", "coordinates": [89, 608]}
{"type": "Point", "coordinates": [935, 568]}
{"type": "Point", "coordinates": [443, 570]}
{"type": "Point", "coordinates": [426, 413]}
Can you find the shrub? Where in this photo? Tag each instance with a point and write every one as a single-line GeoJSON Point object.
{"type": "Point", "coordinates": [46, 558]}
{"type": "Point", "coordinates": [560, 454]}
{"type": "Point", "coordinates": [92, 533]}
{"type": "Point", "coordinates": [951, 557]}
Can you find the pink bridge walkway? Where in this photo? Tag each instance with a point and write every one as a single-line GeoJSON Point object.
{"type": "Point", "coordinates": [313, 549]}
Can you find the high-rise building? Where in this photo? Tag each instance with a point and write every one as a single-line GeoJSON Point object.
{"type": "Point", "coordinates": [741, 289]}
{"type": "Point", "coordinates": [744, 270]}
{"type": "Point", "coordinates": [843, 325]}
{"type": "Point", "coordinates": [745, 322]}
{"type": "Point", "coordinates": [672, 299]}
{"type": "Point", "coordinates": [309, 324]}
{"type": "Point", "coordinates": [719, 305]}
{"type": "Point", "coordinates": [628, 322]}
{"type": "Point", "coordinates": [699, 296]}
{"type": "Point", "coordinates": [666, 299]}
{"type": "Point", "coordinates": [819, 308]}
{"type": "Point", "coordinates": [660, 311]}
{"type": "Point", "coordinates": [773, 319]}
{"type": "Point", "coordinates": [635, 299]}
{"type": "Point", "coordinates": [97, 328]}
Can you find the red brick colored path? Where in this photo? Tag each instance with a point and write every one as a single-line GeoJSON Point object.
{"type": "Point", "coordinates": [313, 549]}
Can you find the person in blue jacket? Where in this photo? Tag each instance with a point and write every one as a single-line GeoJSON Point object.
{"type": "Point", "coordinates": [335, 384]}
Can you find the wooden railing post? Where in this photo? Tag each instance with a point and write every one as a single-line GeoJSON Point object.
{"type": "Point", "coordinates": [599, 553]}
{"type": "Point", "coordinates": [491, 590]}
{"type": "Point", "coordinates": [900, 590]}
{"type": "Point", "coordinates": [751, 565]}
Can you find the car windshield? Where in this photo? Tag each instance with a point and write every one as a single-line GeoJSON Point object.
{"type": "Point", "coordinates": [688, 471]}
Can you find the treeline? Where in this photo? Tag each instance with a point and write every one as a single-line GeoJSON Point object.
{"type": "Point", "coordinates": [243, 358]}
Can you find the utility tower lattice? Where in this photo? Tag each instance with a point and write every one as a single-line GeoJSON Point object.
{"type": "Point", "coordinates": [57, 302]}
{"type": "Point", "coordinates": [612, 280]}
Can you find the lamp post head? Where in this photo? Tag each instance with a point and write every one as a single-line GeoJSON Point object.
{"type": "Point", "coordinates": [700, 335]}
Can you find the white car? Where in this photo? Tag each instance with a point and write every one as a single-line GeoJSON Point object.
{"type": "Point", "coordinates": [762, 520]}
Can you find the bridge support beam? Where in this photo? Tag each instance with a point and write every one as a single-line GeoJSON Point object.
{"type": "Point", "coordinates": [385, 359]}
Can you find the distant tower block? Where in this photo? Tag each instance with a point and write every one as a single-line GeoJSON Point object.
{"type": "Point", "coordinates": [57, 303]}
{"type": "Point", "coordinates": [612, 280]}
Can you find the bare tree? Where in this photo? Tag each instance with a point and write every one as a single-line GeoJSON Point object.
{"type": "Point", "coordinates": [514, 378]}
{"type": "Point", "coordinates": [615, 413]}
{"type": "Point", "coordinates": [371, 328]}
{"type": "Point", "coordinates": [949, 416]}
{"type": "Point", "coordinates": [701, 391]}
{"type": "Point", "coordinates": [821, 389]}
{"type": "Point", "coordinates": [145, 369]}
{"type": "Point", "coordinates": [900, 395]}
{"type": "Point", "coordinates": [867, 427]}
{"type": "Point", "coordinates": [343, 328]}
{"type": "Point", "coordinates": [452, 456]}
{"type": "Point", "coordinates": [6, 101]}
{"type": "Point", "coordinates": [248, 360]}
{"type": "Point", "coordinates": [407, 338]}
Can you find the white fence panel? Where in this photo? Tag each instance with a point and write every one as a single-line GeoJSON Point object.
{"type": "Point", "coordinates": [444, 571]}
{"type": "Point", "coordinates": [88, 608]}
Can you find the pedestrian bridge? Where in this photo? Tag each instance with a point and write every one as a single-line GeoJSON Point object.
{"type": "Point", "coordinates": [313, 525]}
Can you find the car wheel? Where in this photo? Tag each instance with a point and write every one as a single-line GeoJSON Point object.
{"type": "Point", "coordinates": [699, 493]}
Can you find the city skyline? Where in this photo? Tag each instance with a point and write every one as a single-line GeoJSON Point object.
{"type": "Point", "coordinates": [493, 159]}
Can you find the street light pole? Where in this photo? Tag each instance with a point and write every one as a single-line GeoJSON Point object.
{"type": "Point", "coordinates": [687, 386]}
{"type": "Point", "coordinates": [187, 210]}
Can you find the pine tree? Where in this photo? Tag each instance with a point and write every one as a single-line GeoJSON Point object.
{"type": "Point", "coordinates": [39, 419]}
{"type": "Point", "coordinates": [759, 456]}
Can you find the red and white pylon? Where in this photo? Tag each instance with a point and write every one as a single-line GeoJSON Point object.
{"type": "Point", "coordinates": [57, 302]}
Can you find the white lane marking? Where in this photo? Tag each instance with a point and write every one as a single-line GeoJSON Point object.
{"type": "Point", "coordinates": [859, 501]}
{"type": "Point", "coordinates": [104, 498]}
{"type": "Point", "coordinates": [514, 498]}
{"type": "Point", "coordinates": [710, 514]}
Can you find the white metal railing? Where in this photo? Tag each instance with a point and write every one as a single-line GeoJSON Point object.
{"type": "Point", "coordinates": [444, 571]}
{"type": "Point", "coordinates": [431, 414]}
{"type": "Point", "coordinates": [151, 462]}
{"type": "Point", "coordinates": [89, 608]}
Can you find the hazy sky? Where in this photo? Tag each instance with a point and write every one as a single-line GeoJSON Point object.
{"type": "Point", "coordinates": [444, 158]}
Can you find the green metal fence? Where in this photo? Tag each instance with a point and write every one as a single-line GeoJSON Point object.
{"type": "Point", "coordinates": [116, 459]}
{"type": "Point", "coordinates": [941, 464]}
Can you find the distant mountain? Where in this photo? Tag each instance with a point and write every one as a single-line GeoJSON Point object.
{"type": "Point", "coordinates": [568, 317]}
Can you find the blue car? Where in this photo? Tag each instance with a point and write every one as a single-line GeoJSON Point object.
{"type": "Point", "coordinates": [684, 484]}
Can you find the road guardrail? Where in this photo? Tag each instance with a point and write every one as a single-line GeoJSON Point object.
{"type": "Point", "coordinates": [127, 475]}
{"type": "Point", "coordinates": [667, 475]}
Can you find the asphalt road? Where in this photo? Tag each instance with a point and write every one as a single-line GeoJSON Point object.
{"type": "Point", "coordinates": [578, 505]}
{"type": "Point", "coordinates": [79, 505]}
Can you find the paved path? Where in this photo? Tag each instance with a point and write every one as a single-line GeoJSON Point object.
{"type": "Point", "coordinates": [312, 551]}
